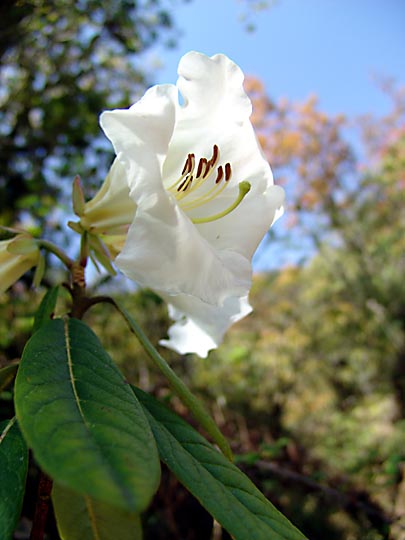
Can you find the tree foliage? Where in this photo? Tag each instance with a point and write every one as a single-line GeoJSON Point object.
{"type": "Point", "coordinates": [61, 64]}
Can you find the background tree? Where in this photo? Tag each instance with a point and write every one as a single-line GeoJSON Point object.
{"type": "Point", "coordinates": [61, 64]}
{"type": "Point", "coordinates": [351, 212]}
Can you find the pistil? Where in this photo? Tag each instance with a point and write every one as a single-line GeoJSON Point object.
{"type": "Point", "coordinates": [244, 188]}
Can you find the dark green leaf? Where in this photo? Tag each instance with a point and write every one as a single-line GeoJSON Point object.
{"type": "Point", "coordinates": [46, 308]}
{"type": "Point", "coordinates": [219, 485]}
{"type": "Point", "coordinates": [83, 422]}
{"type": "Point", "coordinates": [83, 518]}
{"type": "Point", "coordinates": [13, 471]}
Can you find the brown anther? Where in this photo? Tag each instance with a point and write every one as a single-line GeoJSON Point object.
{"type": "Point", "coordinates": [186, 166]}
{"type": "Point", "coordinates": [215, 155]}
{"type": "Point", "coordinates": [228, 172]}
{"type": "Point", "coordinates": [202, 165]}
{"type": "Point", "coordinates": [189, 165]}
{"type": "Point", "coordinates": [186, 183]}
{"type": "Point", "coordinates": [208, 168]}
{"type": "Point", "coordinates": [220, 174]}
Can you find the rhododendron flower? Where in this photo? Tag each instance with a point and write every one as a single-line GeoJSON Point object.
{"type": "Point", "coordinates": [17, 256]}
{"type": "Point", "coordinates": [203, 197]}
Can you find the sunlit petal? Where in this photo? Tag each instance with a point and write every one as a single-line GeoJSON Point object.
{"type": "Point", "coordinates": [200, 327]}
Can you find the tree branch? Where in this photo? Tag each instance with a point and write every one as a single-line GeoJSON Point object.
{"type": "Point", "coordinates": [42, 507]}
{"type": "Point", "coordinates": [353, 500]}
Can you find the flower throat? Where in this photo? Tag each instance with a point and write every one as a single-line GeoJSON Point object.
{"type": "Point", "coordinates": [193, 179]}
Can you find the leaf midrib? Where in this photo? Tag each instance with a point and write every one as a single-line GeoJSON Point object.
{"type": "Point", "coordinates": [118, 478]}
{"type": "Point", "coordinates": [92, 517]}
{"type": "Point", "coordinates": [71, 375]}
{"type": "Point", "coordinates": [7, 429]}
{"type": "Point", "coordinates": [236, 499]}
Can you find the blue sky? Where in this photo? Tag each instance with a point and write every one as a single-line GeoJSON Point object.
{"type": "Point", "coordinates": [333, 48]}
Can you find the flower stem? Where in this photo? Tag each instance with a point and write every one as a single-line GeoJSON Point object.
{"type": "Point", "coordinates": [188, 399]}
{"type": "Point", "coordinates": [49, 246]}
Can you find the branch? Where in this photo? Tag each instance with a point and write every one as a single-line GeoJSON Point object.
{"type": "Point", "coordinates": [348, 501]}
{"type": "Point", "coordinates": [42, 507]}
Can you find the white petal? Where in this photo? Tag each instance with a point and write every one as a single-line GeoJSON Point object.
{"type": "Point", "coordinates": [141, 135]}
{"type": "Point", "coordinates": [216, 110]}
{"type": "Point", "coordinates": [200, 327]}
{"type": "Point", "coordinates": [243, 229]}
{"type": "Point", "coordinates": [149, 122]}
{"type": "Point", "coordinates": [212, 87]}
{"type": "Point", "coordinates": [165, 251]}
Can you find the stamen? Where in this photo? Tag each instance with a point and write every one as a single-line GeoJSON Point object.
{"type": "Point", "coordinates": [201, 165]}
{"type": "Point", "coordinates": [228, 172]}
{"type": "Point", "coordinates": [215, 156]}
{"type": "Point", "coordinates": [207, 197]}
{"type": "Point", "coordinates": [220, 174]}
{"type": "Point", "coordinates": [190, 181]}
{"type": "Point", "coordinates": [209, 167]}
{"type": "Point", "coordinates": [217, 187]}
{"type": "Point", "coordinates": [186, 182]}
{"type": "Point", "coordinates": [244, 188]}
{"type": "Point", "coordinates": [191, 158]}
{"type": "Point", "coordinates": [186, 168]}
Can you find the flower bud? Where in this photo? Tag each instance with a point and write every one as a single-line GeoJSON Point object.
{"type": "Point", "coordinates": [78, 197]}
{"type": "Point", "coordinates": [105, 218]}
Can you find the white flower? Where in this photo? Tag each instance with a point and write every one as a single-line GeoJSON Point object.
{"type": "Point", "coordinates": [203, 197]}
{"type": "Point", "coordinates": [17, 256]}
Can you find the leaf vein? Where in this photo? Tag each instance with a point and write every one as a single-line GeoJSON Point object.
{"type": "Point", "coordinates": [70, 366]}
{"type": "Point", "coordinates": [92, 517]}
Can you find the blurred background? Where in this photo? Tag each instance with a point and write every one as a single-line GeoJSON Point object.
{"type": "Point", "coordinates": [310, 388]}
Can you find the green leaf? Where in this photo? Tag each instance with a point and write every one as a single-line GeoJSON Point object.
{"type": "Point", "coordinates": [46, 308]}
{"type": "Point", "coordinates": [219, 485]}
{"type": "Point", "coordinates": [7, 374]}
{"type": "Point", "coordinates": [13, 472]}
{"type": "Point", "coordinates": [82, 518]}
{"type": "Point", "coordinates": [83, 422]}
